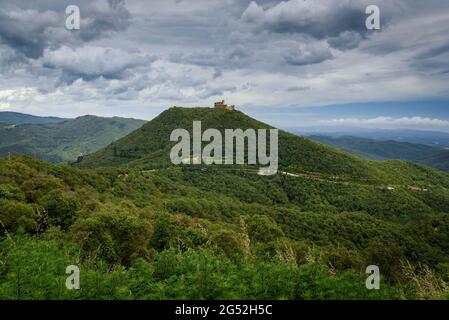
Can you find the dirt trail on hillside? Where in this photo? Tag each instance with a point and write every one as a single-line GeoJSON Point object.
{"type": "Point", "coordinates": [324, 178]}
{"type": "Point", "coordinates": [340, 180]}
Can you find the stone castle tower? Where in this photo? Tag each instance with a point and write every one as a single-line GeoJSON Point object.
{"type": "Point", "coordinates": [222, 105]}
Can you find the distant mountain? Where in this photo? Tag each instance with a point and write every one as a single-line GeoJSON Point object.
{"type": "Point", "coordinates": [440, 161]}
{"type": "Point", "coordinates": [64, 141]}
{"type": "Point", "coordinates": [381, 150]}
{"type": "Point", "coordinates": [16, 118]}
{"type": "Point", "coordinates": [431, 138]}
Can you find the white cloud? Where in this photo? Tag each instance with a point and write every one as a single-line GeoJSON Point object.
{"type": "Point", "coordinates": [389, 121]}
{"type": "Point", "coordinates": [19, 94]}
{"type": "Point", "coordinates": [91, 61]}
{"type": "Point", "coordinates": [4, 105]}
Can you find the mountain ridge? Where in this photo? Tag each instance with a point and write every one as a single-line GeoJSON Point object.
{"type": "Point", "coordinates": [437, 157]}
{"type": "Point", "coordinates": [17, 118]}
{"type": "Point", "coordinates": [64, 141]}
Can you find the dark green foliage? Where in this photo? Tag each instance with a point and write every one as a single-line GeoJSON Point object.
{"type": "Point", "coordinates": [60, 207]}
{"type": "Point", "coordinates": [114, 234]}
{"type": "Point", "coordinates": [262, 229]}
{"type": "Point", "coordinates": [16, 214]}
{"type": "Point", "coordinates": [164, 233]}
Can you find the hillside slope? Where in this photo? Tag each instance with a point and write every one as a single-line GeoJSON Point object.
{"type": "Point", "coordinates": [163, 233]}
{"type": "Point", "coordinates": [64, 141]}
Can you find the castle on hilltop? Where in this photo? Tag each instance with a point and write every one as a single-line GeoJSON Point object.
{"type": "Point", "coordinates": [222, 105]}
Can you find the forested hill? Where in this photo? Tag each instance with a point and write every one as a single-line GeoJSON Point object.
{"type": "Point", "coordinates": [64, 141]}
{"type": "Point", "coordinates": [149, 147]}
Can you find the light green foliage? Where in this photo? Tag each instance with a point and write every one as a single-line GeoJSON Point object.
{"type": "Point", "coordinates": [35, 269]}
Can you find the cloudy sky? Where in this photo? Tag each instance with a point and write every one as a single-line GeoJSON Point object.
{"type": "Point", "coordinates": [291, 63]}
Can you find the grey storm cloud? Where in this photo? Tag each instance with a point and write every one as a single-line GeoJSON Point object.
{"type": "Point", "coordinates": [297, 88]}
{"type": "Point", "coordinates": [260, 52]}
{"type": "Point", "coordinates": [104, 20]}
{"type": "Point", "coordinates": [219, 91]}
{"type": "Point", "coordinates": [307, 54]}
{"type": "Point", "coordinates": [228, 57]}
{"type": "Point", "coordinates": [341, 23]}
{"type": "Point", "coordinates": [9, 59]}
{"type": "Point", "coordinates": [319, 19]}
{"type": "Point", "coordinates": [433, 61]}
{"type": "Point", "coordinates": [438, 50]}
{"type": "Point", "coordinates": [90, 62]}
{"type": "Point", "coordinates": [27, 31]}
{"type": "Point", "coordinates": [346, 40]}
{"type": "Point", "coordinates": [30, 30]}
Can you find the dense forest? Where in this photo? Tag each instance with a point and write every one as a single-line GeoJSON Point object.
{"type": "Point", "coordinates": [139, 228]}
